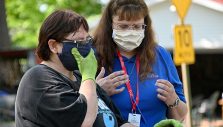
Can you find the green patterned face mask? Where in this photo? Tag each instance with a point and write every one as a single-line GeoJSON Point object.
{"type": "Point", "coordinates": [168, 123]}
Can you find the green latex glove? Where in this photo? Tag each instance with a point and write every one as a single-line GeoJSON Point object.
{"type": "Point", "coordinates": [168, 123]}
{"type": "Point", "coordinates": [87, 66]}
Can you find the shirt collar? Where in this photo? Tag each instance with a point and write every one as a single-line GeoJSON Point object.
{"type": "Point", "coordinates": [125, 59]}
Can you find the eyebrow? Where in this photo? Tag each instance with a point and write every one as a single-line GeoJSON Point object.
{"type": "Point", "coordinates": [128, 23]}
{"type": "Point", "coordinates": [78, 39]}
{"type": "Point", "coordinates": [74, 34]}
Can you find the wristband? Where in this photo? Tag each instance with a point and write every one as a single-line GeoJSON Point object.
{"type": "Point", "coordinates": [175, 104]}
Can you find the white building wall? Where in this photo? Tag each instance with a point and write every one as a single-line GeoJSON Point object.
{"type": "Point", "coordinates": [207, 25]}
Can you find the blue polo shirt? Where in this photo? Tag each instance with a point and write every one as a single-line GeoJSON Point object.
{"type": "Point", "coordinates": [152, 109]}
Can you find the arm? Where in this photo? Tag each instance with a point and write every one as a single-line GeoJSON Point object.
{"type": "Point", "coordinates": [88, 89]}
{"type": "Point", "coordinates": [169, 91]}
{"type": "Point", "coordinates": [179, 112]}
{"type": "Point", "coordinates": [88, 68]}
{"type": "Point", "coordinates": [167, 94]}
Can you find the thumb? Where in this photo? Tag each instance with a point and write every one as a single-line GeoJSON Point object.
{"type": "Point", "coordinates": [101, 74]}
{"type": "Point", "coordinates": [76, 54]}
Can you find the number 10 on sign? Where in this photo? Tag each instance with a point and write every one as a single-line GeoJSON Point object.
{"type": "Point", "coordinates": [183, 51]}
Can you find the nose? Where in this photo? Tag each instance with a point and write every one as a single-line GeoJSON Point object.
{"type": "Point", "coordinates": [131, 27]}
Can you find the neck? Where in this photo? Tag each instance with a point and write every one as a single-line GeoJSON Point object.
{"type": "Point", "coordinates": [127, 54]}
{"type": "Point", "coordinates": [59, 68]}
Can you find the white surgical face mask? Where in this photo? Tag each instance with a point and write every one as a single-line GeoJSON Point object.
{"type": "Point", "coordinates": [128, 40]}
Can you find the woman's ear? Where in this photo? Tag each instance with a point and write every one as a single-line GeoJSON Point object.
{"type": "Point", "coordinates": [53, 45]}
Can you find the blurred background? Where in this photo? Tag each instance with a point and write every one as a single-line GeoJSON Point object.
{"type": "Point", "coordinates": [20, 21]}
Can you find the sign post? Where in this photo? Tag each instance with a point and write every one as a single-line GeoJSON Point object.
{"type": "Point", "coordinates": [184, 51]}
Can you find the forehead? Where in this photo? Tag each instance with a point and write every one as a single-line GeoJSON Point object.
{"type": "Point", "coordinates": [80, 33]}
{"type": "Point", "coordinates": [116, 19]}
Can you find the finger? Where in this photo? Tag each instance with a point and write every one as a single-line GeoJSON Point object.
{"type": "Point", "coordinates": [166, 82]}
{"type": "Point", "coordinates": [161, 97]}
{"type": "Point", "coordinates": [117, 91]}
{"type": "Point", "coordinates": [120, 78]}
{"type": "Point", "coordinates": [116, 73]}
{"type": "Point", "coordinates": [101, 74]}
{"type": "Point", "coordinates": [163, 86]}
{"type": "Point", "coordinates": [76, 54]}
{"type": "Point", "coordinates": [162, 92]}
{"type": "Point", "coordinates": [91, 54]}
{"type": "Point", "coordinates": [119, 83]}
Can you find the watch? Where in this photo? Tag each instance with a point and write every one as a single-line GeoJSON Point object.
{"type": "Point", "coordinates": [175, 104]}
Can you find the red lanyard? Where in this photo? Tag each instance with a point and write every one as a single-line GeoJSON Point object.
{"type": "Point", "coordinates": [134, 103]}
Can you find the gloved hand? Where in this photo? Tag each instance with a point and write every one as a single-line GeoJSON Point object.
{"type": "Point", "coordinates": [168, 123]}
{"type": "Point", "coordinates": [87, 66]}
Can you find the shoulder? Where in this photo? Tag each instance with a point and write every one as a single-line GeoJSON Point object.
{"type": "Point", "coordinates": [40, 75]}
{"type": "Point", "coordinates": [37, 71]}
{"type": "Point", "coordinates": [163, 57]}
{"type": "Point", "coordinates": [162, 51]}
{"type": "Point", "coordinates": [162, 54]}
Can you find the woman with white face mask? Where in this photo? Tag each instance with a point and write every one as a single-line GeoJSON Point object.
{"type": "Point", "coordinates": [137, 73]}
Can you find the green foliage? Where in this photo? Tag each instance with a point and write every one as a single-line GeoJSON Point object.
{"type": "Point", "coordinates": [24, 17]}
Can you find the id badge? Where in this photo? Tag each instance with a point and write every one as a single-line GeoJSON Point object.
{"type": "Point", "coordinates": [134, 119]}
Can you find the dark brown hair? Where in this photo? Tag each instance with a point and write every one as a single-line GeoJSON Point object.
{"type": "Point", "coordinates": [129, 10]}
{"type": "Point", "coordinates": [57, 26]}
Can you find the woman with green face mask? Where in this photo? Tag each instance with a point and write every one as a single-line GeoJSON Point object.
{"type": "Point", "coordinates": [137, 73]}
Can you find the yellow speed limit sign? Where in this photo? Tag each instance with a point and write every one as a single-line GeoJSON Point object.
{"type": "Point", "coordinates": [183, 51]}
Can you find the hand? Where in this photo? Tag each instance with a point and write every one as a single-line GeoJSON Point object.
{"type": "Point", "coordinates": [166, 91]}
{"type": "Point", "coordinates": [128, 125]}
{"type": "Point", "coordinates": [87, 66]}
{"type": "Point", "coordinates": [112, 81]}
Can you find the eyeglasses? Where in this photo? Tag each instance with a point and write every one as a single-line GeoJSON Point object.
{"type": "Point", "coordinates": [118, 26]}
{"type": "Point", "coordinates": [89, 39]}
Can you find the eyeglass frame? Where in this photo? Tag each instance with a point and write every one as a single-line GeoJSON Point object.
{"type": "Point", "coordinates": [89, 39]}
{"type": "Point", "coordinates": [117, 26]}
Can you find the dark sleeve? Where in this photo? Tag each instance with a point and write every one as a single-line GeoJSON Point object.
{"type": "Point", "coordinates": [62, 107]}
{"type": "Point", "coordinates": [46, 99]}
{"type": "Point", "coordinates": [103, 95]}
